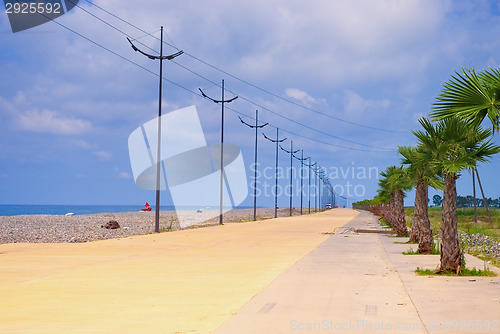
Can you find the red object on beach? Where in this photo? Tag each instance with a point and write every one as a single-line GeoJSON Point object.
{"type": "Point", "coordinates": [147, 207]}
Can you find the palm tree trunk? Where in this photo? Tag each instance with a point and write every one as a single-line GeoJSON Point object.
{"type": "Point", "coordinates": [417, 213]}
{"type": "Point", "coordinates": [451, 257]}
{"type": "Point", "coordinates": [421, 219]}
{"type": "Point", "coordinates": [399, 213]}
{"type": "Point", "coordinates": [389, 216]}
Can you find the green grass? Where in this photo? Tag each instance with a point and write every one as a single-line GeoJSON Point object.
{"type": "Point", "coordinates": [384, 223]}
{"type": "Point", "coordinates": [479, 253]}
{"type": "Point", "coordinates": [411, 252]}
{"type": "Point", "coordinates": [168, 228]}
{"type": "Point", "coordinates": [435, 251]}
{"type": "Point", "coordinates": [464, 272]}
{"type": "Point", "coordinates": [406, 243]}
{"type": "Point", "coordinates": [466, 220]}
{"type": "Point", "coordinates": [466, 224]}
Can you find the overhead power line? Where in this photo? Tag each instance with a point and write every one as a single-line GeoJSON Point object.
{"type": "Point", "coordinates": [247, 82]}
{"type": "Point", "coordinates": [374, 148]}
{"type": "Point", "coordinates": [243, 98]}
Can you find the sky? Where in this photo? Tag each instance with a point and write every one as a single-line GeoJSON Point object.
{"type": "Point", "coordinates": [345, 80]}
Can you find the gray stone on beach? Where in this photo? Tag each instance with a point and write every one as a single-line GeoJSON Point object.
{"type": "Point", "coordinates": [85, 228]}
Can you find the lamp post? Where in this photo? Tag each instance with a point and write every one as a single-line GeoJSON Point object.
{"type": "Point", "coordinates": [291, 172]}
{"type": "Point", "coordinates": [330, 192]}
{"type": "Point", "coordinates": [309, 174]}
{"type": "Point", "coordinates": [221, 101]}
{"type": "Point", "coordinates": [320, 187]}
{"type": "Point", "coordinates": [277, 141]}
{"type": "Point", "coordinates": [161, 57]}
{"type": "Point", "coordinates": [316, 171]}
{"type": "Point", "coordinates": [256, 126]}
{"type": "Point", "coordinates": [333, 199]}
{"type": "Point", "coordinates": [301, 177]}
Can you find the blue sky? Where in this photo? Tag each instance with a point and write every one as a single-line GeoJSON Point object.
{"type": "Point", "coordinates": [369, 69]}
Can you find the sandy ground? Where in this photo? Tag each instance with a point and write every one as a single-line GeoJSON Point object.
{"type": "Point", "coordinates": [187, 281]}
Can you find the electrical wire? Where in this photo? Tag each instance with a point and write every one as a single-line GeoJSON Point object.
{"type": "Point", "coordinates": [243, 98]}
{"type": "Point", "coordinates": [249, 83]}
{"type": "Point", "coordinates": [197, 94]}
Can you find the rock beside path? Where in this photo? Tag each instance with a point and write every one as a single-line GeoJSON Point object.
{"type": "Point", "coordinates": [84, 228]}
{"type": "Point", "coordinates": [480, 243]}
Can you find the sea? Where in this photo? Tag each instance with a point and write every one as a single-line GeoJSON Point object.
{"type": "Point", "coordinates": [15, 209]}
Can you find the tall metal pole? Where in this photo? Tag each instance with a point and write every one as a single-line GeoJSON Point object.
{"type": "Point", "coordinates": [222, 157]}
{"type": "Point", "coordinates": [277, 141]}
{"type": "Point", "coordinates": [474, 195]}
{"type": "Point", "coordinates": [482, 193]}
{"type": "Point", "coordinates": [158, 153]}
{"type": "Point", "coordinates": [291, 172]}
{"type": "Point", "coordinates": [309, 192]}
{"type": "Point", "coordinates": [276, 178]}
{"type": "Point", "coordinates": [221, 101]}
{"type": "Point", "coordinates": [256, 126]}
{"type": "Point", "coordinates": [320, 187]}
{"type": "Point", "coordinates": [317, 188]}
{"type": "Point", "coordinates": [319, 192]}
{"type": "Point", "coordinates": [301, 178]}
{"type": "Point", "coordinates": [309, 174]}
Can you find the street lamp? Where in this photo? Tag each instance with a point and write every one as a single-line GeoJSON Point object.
{"type": "Point", "coordinates": [320, 187]}
{"type": "Point", "coordinates": [161, 57]}
{"type": "Point", "coordinates": [256, 126]}
{"type": "Point", "coordinates": [301, 177]}
{"type": "Point", "coordinates": [221, 101]}
{"type": "Point", "coordinates": [291, 172]}
{"type": "Point", "coordinates": [316, 171]}
{"type": "Point", "coordinates": [309, 174]}
{"type": "Point", "coordinates": [277, 141]}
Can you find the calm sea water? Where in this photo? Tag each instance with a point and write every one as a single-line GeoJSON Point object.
{"type": "Point", "coordinates": [13, 209]}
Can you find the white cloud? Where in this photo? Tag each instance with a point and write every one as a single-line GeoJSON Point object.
{"type": "Point", "coordinates": [81, 144]}
{"type": "Point", "coordinates": [355, 103]}
{"type": "Point", "coordinates": [103, 155]}
{"type": "Point", "coordinates": [364, 61]}
{"type": "Point", "coordinates": [47, 121]}
{"type": "Point", "coordinates": [300, 95]}
{"type": "Point", "coordinates": [341, 41]}
{"type": "Point", "coordinates": [124, 175]}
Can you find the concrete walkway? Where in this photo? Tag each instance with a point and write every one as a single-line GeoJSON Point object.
{"type": "Point", "coordinates": [361, 283]}
{"type": "Point", "coordinates": [187, 281]}
{"type": "Point", "coordinates": [305, 274]}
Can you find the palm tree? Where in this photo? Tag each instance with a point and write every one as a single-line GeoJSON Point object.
{"type": "Point", "coordinates": [395, 181]}
{"type": "Point", "coordinates": [383, 200]}
{"type": "Point", "coordinates": [471, 96]}
{"type": "Point", "coordinates": [456, 145]}
{"type": "Point", "coordinates": [423, 176]}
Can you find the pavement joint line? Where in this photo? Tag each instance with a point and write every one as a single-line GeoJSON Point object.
{"type": "Point", "coordinates": [186, 281]}
{"type": "Point", "coordinates": [406, 290]}
{"type": "Point", "coordinates": [267, 307]}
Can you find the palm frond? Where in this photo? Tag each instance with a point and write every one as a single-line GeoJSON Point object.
{"type": "Point", "coordinates": [470, 96]}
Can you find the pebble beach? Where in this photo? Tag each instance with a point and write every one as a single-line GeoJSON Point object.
{"type": "Point", "coordinates": [85, 228]}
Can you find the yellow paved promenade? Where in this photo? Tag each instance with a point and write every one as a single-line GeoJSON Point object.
{"type": "Point", "coordinates": [187, 281]}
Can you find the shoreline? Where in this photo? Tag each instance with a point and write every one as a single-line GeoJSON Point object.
{"type": "Point", "coordinates": [45, 228]}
